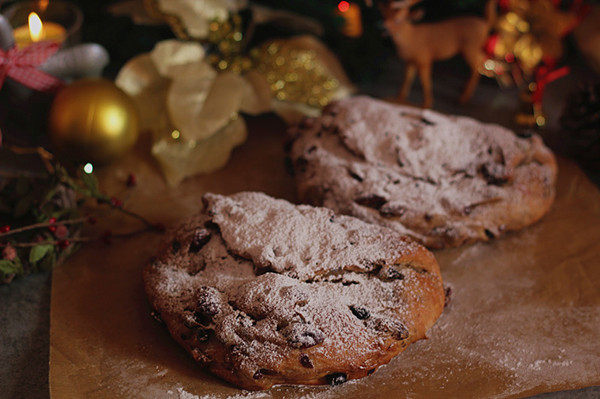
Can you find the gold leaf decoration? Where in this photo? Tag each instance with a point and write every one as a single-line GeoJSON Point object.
{"type": "Point", "coordinates": [531, 31]}
{"type": "Point", "coordinates": [302, 74]}
{"type": "Point", "coordinates": [295, 72]}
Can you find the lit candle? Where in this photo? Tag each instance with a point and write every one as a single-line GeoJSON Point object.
{"type": "Point", "coordinates": [36, 31]}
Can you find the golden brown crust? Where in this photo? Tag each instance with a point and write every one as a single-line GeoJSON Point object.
{"type": "Point", "coordinates": [316, 325]}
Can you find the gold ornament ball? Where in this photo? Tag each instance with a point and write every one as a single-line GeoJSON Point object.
{"type": "Point", "coordinates": [93, 120]}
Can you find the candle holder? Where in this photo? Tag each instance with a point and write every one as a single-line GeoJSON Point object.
{"type": "Point", "coordinates": [63, 13]}
{"type": "Point", "coordinates": [24, 104]}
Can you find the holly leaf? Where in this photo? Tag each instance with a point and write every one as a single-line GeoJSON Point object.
{"type": "Point", "coordinates": [48, 262]}
{"type": "Point", "coordinates": [8, 266]}
{"type": "Point", "coordinates": [38, 252]}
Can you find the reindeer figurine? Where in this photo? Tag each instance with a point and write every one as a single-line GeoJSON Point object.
{"type": "Point", "coordinates": [419, 45]}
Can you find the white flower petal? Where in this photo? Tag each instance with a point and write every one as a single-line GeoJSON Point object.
{"type": "Point", "coordinates": [140, 79]}
{"type": "Point", "coordinates": [180, 159]}
{"type": "Point", "coordinates": [171, 57]}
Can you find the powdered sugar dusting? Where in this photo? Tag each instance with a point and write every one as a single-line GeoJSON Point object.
{"type": "Point", "coordinates": [183, 394]}
{"type": "Point", "coordinates": [272, 278]}
{"type": "Point", "coordinates": [442, 179]}
{"type": "Point", "coordinates": [322, 242]}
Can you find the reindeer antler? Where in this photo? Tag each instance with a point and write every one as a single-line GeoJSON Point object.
{"type": "Point", "coordinates": [389, 6]}
{"type": "Point", "coordinates": [403, 3]}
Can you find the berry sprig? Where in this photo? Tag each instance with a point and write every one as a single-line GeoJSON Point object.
{"type": "Point", "coordinates": [51, 224]}
{"type": "Point", "coordinates": [41, 219]}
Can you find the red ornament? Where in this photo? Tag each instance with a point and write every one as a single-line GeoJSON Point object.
{"type": "Point", "coordinates": [490, 44]}
{"type": "Point", "coordinates": [52, 220]}
{"type": "Point", "coordinates": [52, 229]}
{"type": "Point", "coordinates": [116, 202]}
{"type": "Point", "coordinates": [131, 180]}
{"type": "Point", "coordinates": [544, 75]}
{"type": "Point", "coordinates": [5, 229]}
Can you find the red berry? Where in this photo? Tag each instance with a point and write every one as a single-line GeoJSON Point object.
{"type": "Point", "coordinates": [64, 244]}
{"type": "Point", "coordinates": [106, 237]}
{"type": "Point", "coordinates": [131, 180]}
{"type": "Point", "coordinates": [92, 220]}
{"type": "Point", "coordinates": [116, 202]}
{"type": "Point", "coordinates": [61, 231]}
{"type": "Point", "coordinates": [9, 252]}
{"type": "Point", "coordinates": [52, 228]}
{"type": "Point", "coordinates": [5, 229]}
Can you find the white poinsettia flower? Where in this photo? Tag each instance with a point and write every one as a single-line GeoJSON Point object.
{"type": "Point", "coordinates": [191, 109]}
{"type": "Point", "coordinates": [174, 57]}
{"type": "Point", "coordinates": [180, 159]}
{"type": "Point", "coordinates": [142, 81]}
{"type": "Point", "coordinates": [202, 110]}
{"type": "Point", "coordinates": [196, 15]}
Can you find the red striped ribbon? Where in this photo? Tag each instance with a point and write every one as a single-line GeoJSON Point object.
{"type": "Point", "coordinates": [21, 65]}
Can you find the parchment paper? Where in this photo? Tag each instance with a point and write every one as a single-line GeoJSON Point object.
{"type": "Point", "coordinates": [524, 315]}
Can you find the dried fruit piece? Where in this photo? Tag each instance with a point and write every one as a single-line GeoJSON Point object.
{"type": "Point", "coordinates": [303, 336]}
{"type": "Point", "coordinates": [447, 296]}
{"type": "Point", "coordinates": [334, 379]}
{"type": "Point", "coordinates": [394, 327]}
{"type": "Point", "coordinates": [260, 373]}
{"type": "Point", "coordinates": [203, 335]}
{"type": "Point", "coordinates": [360, 313]}
{"type": "Point", "coordinates": [306, 362]}
{"type": "Point", "coordinates": [372, 201]}
{"type": "Point", "coordinates": [495, 174]}
{"type": "Point", "coordinates": [201, 238]}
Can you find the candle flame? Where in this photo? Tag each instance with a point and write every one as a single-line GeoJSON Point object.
{"type": "Point", "coordinates": [36, 28]}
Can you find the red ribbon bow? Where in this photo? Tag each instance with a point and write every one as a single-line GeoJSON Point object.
{"type": "Point", "coordinates": [546, 74]}
{"type": "Point", "coordinates": [22, 66]}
